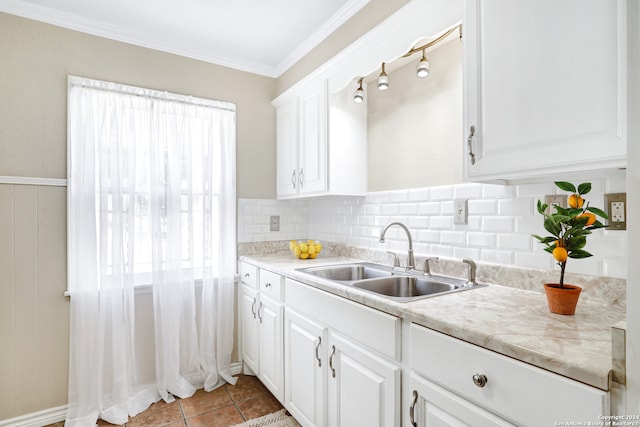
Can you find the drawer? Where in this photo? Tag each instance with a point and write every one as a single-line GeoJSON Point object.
{"type": "Point", "coordinates": [380, 331]}
{"type": "Point", "coordinates": [522, 393]}
{"type": "Point", "coordinates": [249, 274]}
{"type": "Point", "coordinates": [271, 284]}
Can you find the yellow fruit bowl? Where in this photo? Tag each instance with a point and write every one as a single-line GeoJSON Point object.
{"type": "Point", "coordinates": [302, 249]}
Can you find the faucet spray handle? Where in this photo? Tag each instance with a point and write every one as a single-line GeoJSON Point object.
{"type": "Point", "coordinates": [427, 269]}
{"type": "Point", "coordinates": [472, 271]}
{"type": "Point", "coordinates": [396, 260]}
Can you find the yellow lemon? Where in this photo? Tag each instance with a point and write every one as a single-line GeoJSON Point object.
{"type": "Point", "coordinates": [310, 242]}
{"type": "Point", "coordinates": [304, 255]}
{"type": "Point", "coordinates": [318, 247]}
{"type": "Point", "coordinates": [313, 255]}
{"type": "Point", "coordinates": [304, 247]}
{"type": "Point", "coordinates": [312, 249]}
{"type": "Point", "coordinates": [297, 251]}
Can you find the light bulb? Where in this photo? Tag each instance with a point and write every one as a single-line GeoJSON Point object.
{"type": "Point", "coordinates": [422, 70]}
{"type": "Point", "coordinates": [358, 97]}
{"type": "Point", "coordinates": [383, 80]}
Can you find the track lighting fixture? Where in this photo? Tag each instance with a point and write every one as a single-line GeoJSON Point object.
{"type": "Point", "coordinates": [383, 80]}
{"type": "Point", "coordinates": [358, 97]}
{"type": "Point", "coordinates": [422, 69]}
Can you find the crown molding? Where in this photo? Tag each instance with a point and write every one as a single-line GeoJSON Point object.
{"type": "Point", "coordinates": [142, 39]}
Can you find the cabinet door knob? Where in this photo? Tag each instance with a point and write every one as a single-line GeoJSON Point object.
{"type": "Point", "coordinates": [333, 353]}
{"type": "Point", "coordinates": [480, 380]}
{"type": "Point", "coordinates": [472, 157]}
{"type": "Point", "coordinates": [318, 348]}
{"type": "Point", "coordinates": [412, 409]}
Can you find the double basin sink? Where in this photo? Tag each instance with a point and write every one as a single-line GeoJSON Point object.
{"type": "Point", "coordinates": [392, 283]}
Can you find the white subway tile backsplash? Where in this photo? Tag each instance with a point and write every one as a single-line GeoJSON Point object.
{"type": "Point", "coordinates": [467, 191]}
{"type": "Point", "coordinates": [429, 208]}
{"type": "Point", "coordinates": [500, 223]}
{"type": "Point", "coordinates": [442, 193]}
{"type": "Point", "coordinates": [505, 224]}
{"type": "Point", "coordinates": [522, 206]}
{"type": "Point", "coordinates": [496, 257]}
{"type": "Point", "coordinates": [481, 240]}
{"type": "Point", "coordinates": [515, 242]}
{"type": "Point", "coordinates": [482, 207]}
{"type": "Point", "coordinates": [492, 191]}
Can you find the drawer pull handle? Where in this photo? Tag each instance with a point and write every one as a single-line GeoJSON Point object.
{"type": "Point", "coordinates": [293, 179]}
{"type": "Point", "coordinates": [480, 380]}
{"type": "Point", "coordinates": [318, 348]}
{"type": "Point", "coordinates": [412, 409]}
{"type": "Point", "coordinates": [253, 308]}
{"type": "Point", "coordinates": [300, 176]}
{"type": "Point", "coordinates": [267, 285]}
{"type": "Point", "coordinates": [247, 275]}
{"type": "Point", "coordinates": [333, 353]}
{"type": "Point", "coordinates": [259, 315]}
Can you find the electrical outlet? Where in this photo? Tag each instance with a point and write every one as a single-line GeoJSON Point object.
{"type": "Point", "coordinates": [460, 211]}
{"type": "Point", "coordinates": [616, 206]}
{"type": "Point", "coordinates": [561, 200]}
{"type": "Point", "coordinates": [274, 223]}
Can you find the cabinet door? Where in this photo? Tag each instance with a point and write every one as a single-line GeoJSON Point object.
{"type": "Point", "coordinates": [312, 174]}
{"type": "Point", "coordinates": [287, 129]}
{"type": "Point", "coordinates": [305, 361]}
{"type": "Point", "coordinates": [429, 405]}
{"type": "Point", "coordinates": [364, 389]}
{"type": "Point", "coordinates": [545, 87]}
{"type": "Point", "coordinates": [250, 328]}
{"type": "Point", "coordinates": [271, 372]}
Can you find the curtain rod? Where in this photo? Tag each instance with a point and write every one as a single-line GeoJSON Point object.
{"type": "Point", "coordinates": [166, 96]}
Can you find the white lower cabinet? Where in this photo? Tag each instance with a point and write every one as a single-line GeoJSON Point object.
{"type": "Point", "coordinates": [331, 379]}
{"type": "Point", "coordinates": [455, 380]}
{"type": "Point", "coordinates": [262, 327]}
{"type": "Point", "coordinates": [433, 406]}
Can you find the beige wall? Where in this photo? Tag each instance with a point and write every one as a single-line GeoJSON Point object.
{"type": "Point", "coordinates": [36, 59]}
{"type": "Point", "coordinates": [359, 24]}
{"type": "Point", "coordinates": [415, 127]}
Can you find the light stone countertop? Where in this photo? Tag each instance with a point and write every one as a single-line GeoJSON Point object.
{"type": "Point", "coordinates": [509, 321]}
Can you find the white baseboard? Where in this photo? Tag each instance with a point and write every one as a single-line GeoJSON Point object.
{"type": "Point", "coordinates": [55, 415]}
{"type": "Point", "coordinates": [37, 419]}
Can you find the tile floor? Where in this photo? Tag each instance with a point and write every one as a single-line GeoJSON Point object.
{"type": "Point", "coordinates": [223, 407]}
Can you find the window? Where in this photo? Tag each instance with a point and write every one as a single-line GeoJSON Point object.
{"type": "Point", "coordinates": [151, 182]}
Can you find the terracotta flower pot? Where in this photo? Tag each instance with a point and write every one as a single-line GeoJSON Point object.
{"type": "Point", "coordinates": [562, 300]}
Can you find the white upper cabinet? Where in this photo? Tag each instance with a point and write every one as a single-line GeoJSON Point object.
{"type": "Point", "coordinates": [322, 144]}
{"type": "Point", "coordinates": [545, 87]}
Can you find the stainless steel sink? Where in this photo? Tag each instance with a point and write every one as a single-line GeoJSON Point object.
{"type": "Point", "coordinates": [349, 272]}
{"type": "Point", "coordinates": [407, 288]}
{"type": "Point", "coordinates": [383, 280]}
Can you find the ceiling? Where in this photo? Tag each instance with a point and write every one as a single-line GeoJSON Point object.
{"type": "Point", "coordinates": [260, 36]}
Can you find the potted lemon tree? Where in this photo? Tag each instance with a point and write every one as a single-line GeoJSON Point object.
{"type": "Point", "coordinates": [568, 230]}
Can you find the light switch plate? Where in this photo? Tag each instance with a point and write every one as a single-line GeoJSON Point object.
{"type": "Point", "coordinates": [460, 211]}
{"type": "Point", "coordinates": [616, 207]}
{"type": "Point", "coordinates": [561, 200]}
{"type": "Point", "coordinates": [274, 223]}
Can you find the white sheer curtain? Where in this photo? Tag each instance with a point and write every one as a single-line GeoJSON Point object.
{"type": "Point", "coordinates": [151, 203]}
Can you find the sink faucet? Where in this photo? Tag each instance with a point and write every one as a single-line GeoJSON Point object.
{"type": "Point", "coordinates": [472, 271]}
{"type": "Point", "coordinates": [410, 260]}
